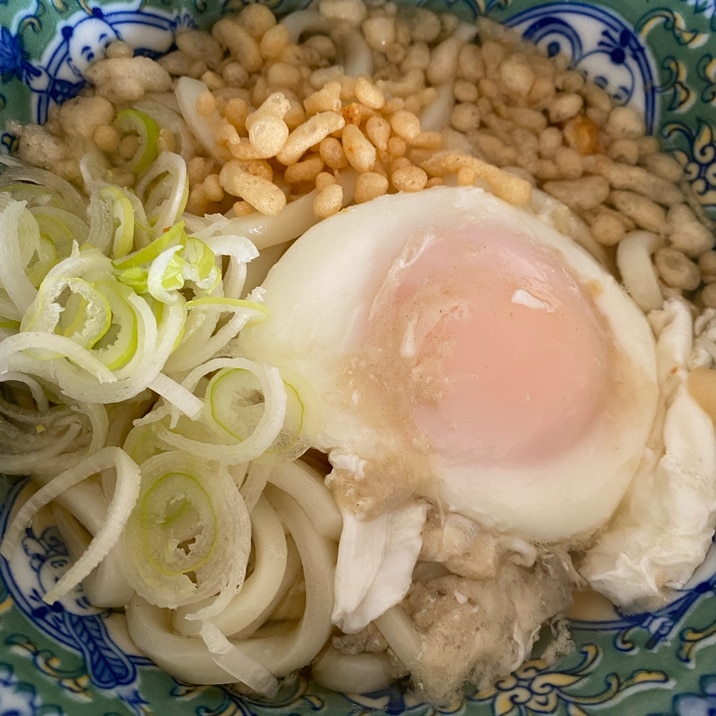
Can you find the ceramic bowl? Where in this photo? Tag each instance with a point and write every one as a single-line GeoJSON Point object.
{"type": "Point", "coordinates": [74, 659]}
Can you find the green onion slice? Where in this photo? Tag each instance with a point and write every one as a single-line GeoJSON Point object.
{"type": "Point", "coordinates": [164, 189]}
{"type": "Point", "coordinates": [133, 122]}
{"type": "Point", "coordinates": [235, 405]}
{"type": "Point", "coordinates": [122, 213]}
{"type": "Point", "coordinates": [70, 307]}
{"type": "Point", "coordinates": [189, 536]}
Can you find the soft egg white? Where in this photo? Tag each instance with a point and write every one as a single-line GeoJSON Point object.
{"type": "Point", "coordinates": [463, 350]}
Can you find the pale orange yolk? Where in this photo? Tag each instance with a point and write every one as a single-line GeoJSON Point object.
{"type": "Point", "coordinates": [505, 359]}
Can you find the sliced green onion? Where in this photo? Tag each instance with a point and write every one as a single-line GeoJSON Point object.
{"type": "Point", "coordinates": [174, 236]}
{"type": "Point", "coordinates": [94, 169]}
{"type": "Point", "coordinates": [187, 91]}
{"type": "Point", "coordinates": [33, 457]}
{"type": "Point", "coordinates": [164, 190]}
{"type": "Point", "coordinates": [261, 588]}
{"type": "Point", "coordinates": [86, 262]}
{"type": "Point", "coordinates": [59, 347]}
{"type": "Point", "coordinates": [200, 339]}
{"type": "Point", "coordinates": [155, 342]}
{"type": "Point", "coordinates": [36, 391]}
{"type": "Point", "coordinates": [58, 229]}
{"type": "Point", "coordinates": [67, 196]}
{"type": "Point", "coordinates": [240, 251]}
{"type": "Point", "coordinates": [102, 226]}
{"type": "Point", "coordinates": [133, 122]}
{"type": "Point", "coordinates": [177, 395]}
{"type": "Point", "coordinates": [166, 275]}
{"type": "Point", "coordinates": [235, 404]}
{"type": "Point", "coordinates": [254, 310]}
{"type": "Point", "coordinates": [269, 416]}
{"type": "Point", "coordinates": [201, 265]}
{"type": "Point", "coordinates": [45, 258]}
{"type": "Point", "coordinates": [35, 195]}
{"type": "Point", "coordinates": [292, 441]}
{"type": "Point", "coordinates": [122, 214]}
{"type": "Point", "coordinates": [17, 228]}
{"type": "Point", "coordinates": [189, 536]}
{"type": "Point", "coordinates": [8, 326]}
{"type": "Point", "coordinates": [141, 441]}
{"type": "Point", "coordinates": [118, 511]}
{"type": "Point", "coordinates": [71, 307]}
{"type": "Point", "coordinates": [62, 227]}
{"type": "Point", "coordinates": [121, 341]}
{"type": "Point", "coordinates": [168, 263]}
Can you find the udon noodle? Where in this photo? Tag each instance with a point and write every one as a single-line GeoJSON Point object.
{"type": "Point", "coordinates": [179, 470]}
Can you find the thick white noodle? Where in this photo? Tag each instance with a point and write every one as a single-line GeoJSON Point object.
{"type": "Point", "coordinates": [436, 115]}
{"type": "Point", "coordinates": [356, 56]}
{"type": "Point", "coordinates": [290, 650]}
{"type": "Point", "coordinates": [185, 658]}
{"type": "Point", "coordinates": [293, 221]}
{"type": "Point", "coordinates": [189, 659]}
{"type": "Point", "coordinates": [352, 673]}
{"type": "Point", "coordinates": [231, 657]}
{"type": "Point", "coordinates": [403, 638]}
{"type": "Point", "coordinates": [305, 486]}
{"type": "Point", "coordinates": [637, 271]}
{"type": "Point", "coordinates": [301, 21]}
{"type": "Point", "coordinates": [87, 503]}
{"type": "Point", "coordinates": [107, 585]}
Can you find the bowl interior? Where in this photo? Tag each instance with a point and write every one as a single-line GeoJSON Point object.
{"type": "Point", "coordinates": [79, 659]}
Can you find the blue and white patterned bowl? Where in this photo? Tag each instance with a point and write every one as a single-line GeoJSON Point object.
{"type": "Point", "coordinates": [74, 659]}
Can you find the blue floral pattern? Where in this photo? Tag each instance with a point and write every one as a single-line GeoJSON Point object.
{"type": "Point", "coordinates": [73, 622]}
{"type": "Point", "coordinates": [601, 45]}
{"type": "Point", "coordinates": [59, 73]}
{"type": "Point", "coordinates": [13, 59]}
{"type": "Point", "coordinates": [21, 699]}
{"type": "Point", "coordinates": [701, 704]}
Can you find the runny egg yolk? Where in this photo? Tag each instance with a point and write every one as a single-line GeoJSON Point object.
{"type": "Point", "coordinates": [504, 359]}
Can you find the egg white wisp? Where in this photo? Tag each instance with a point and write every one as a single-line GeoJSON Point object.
{"type": "Point", "coordinates": [463, 350]}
